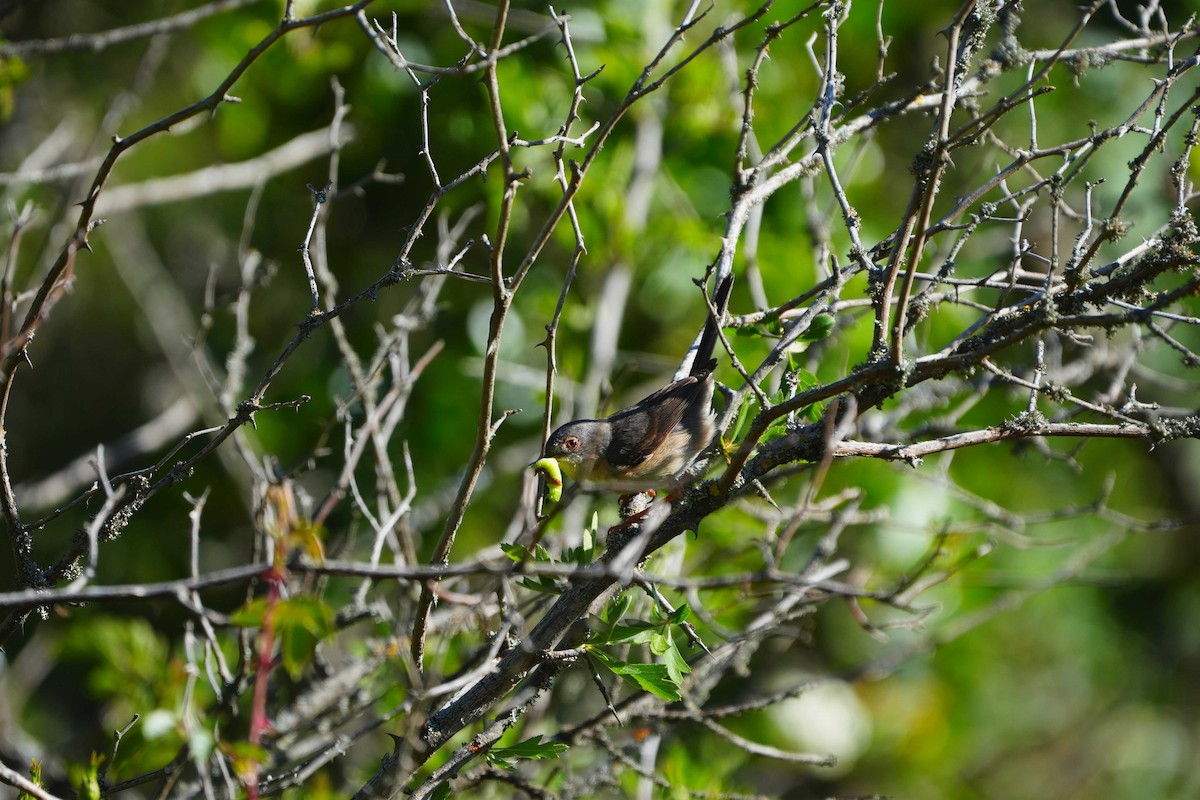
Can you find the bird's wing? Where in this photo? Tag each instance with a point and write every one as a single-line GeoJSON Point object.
{"type": "Point", "coordinates": [640, 429]}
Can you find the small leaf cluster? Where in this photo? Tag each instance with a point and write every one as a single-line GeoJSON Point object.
{"type": "Point", "coordinates": [663, 678]}
{"type": "Point", "coordinates": [581, 556]}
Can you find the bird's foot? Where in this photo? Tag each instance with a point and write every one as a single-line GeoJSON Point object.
{"type": "Point", "coordinates": [634, 503]}
{"type": "Point", "coordinates": [633, 509]}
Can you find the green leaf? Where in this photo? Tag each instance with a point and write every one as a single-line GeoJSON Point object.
{"type": "Point", "coordinates": [300, 622]}
{"type": "Point", "coordinates": [308, 613]}
{"type": "Point", "coordinates": [819, 328]}
{"type": "Point", "coordinates": [517, 552]}
{"type": "Point", "coordinates": [497, 761]}
{"type": "Point", "coordinates": [616, 609]}
{"type": "Point", "coordinates": [680, 614]}
{"type": "Point", "coordinates": [296, 649]}
{"type": "Point", "coordinates": [807, 379]}
{"type": "Point", "coordinates": [654, 678]}
{"type": "Point", "coordinates": [533, 747]}
{"type": "Point", "coordinates": [541, 583]}
{"type": "Point", "coordinates": [775, 430]}
{"type": "Point", "coordinates": [86, 779]}
{"type": "Point", "coordinates": [747, 411]}
{"type": "Point", "coordinates": [675, 663]}
{"type": "Point", "coordinates": [35, 777]}
{"type": "Point", "coordinates": [250, 615]}
{"type": "Point", "coordinates": [589, 535]}
{"type": "Point", "coordinates": [633, 632]}
{"type": "Point", "coordinates": [585, 554]}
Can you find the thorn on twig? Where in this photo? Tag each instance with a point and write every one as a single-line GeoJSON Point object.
{"type": "Point", "coordinates": [599, 682]}
{"type": "Point", "coordinates": [395, 754]}
{"type": "Point", "coordinates": [589, 76]}
{"type": "Point", "coordinates": [505, 414]}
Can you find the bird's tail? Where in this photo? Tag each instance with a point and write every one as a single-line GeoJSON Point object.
{"type": "Point", "coordinates": [704, 361]}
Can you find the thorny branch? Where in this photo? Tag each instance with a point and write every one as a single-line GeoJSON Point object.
{"type": "Point", "coordinates": [1026, 321]}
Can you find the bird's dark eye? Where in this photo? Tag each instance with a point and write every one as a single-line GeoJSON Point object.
{"type": "Point", "coordinates": [571, 443]}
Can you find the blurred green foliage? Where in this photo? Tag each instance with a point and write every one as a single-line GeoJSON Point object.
{"type": "Point", "coordinates": [1083, 689]}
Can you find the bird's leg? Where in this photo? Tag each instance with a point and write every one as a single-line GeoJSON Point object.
{"type": "Point", "coordinates": [632, 508]}
{"type": "Point", "coordinates": [634, 503]}
{"type": "Point", "coordinates": [676, 492]}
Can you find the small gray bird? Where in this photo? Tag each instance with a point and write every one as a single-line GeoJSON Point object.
{"type": "Point", "coordinates": [651, 443]}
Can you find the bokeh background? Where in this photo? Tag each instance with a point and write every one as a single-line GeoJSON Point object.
{"type": "Point", "coordinates": [1063, 663]}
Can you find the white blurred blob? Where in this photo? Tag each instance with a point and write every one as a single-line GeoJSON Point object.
{"type": "Point", "coordinates": [828, 718]}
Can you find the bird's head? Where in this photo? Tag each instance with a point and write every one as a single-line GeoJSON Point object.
{"type": "Point", "coordinates": [579, 446]}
